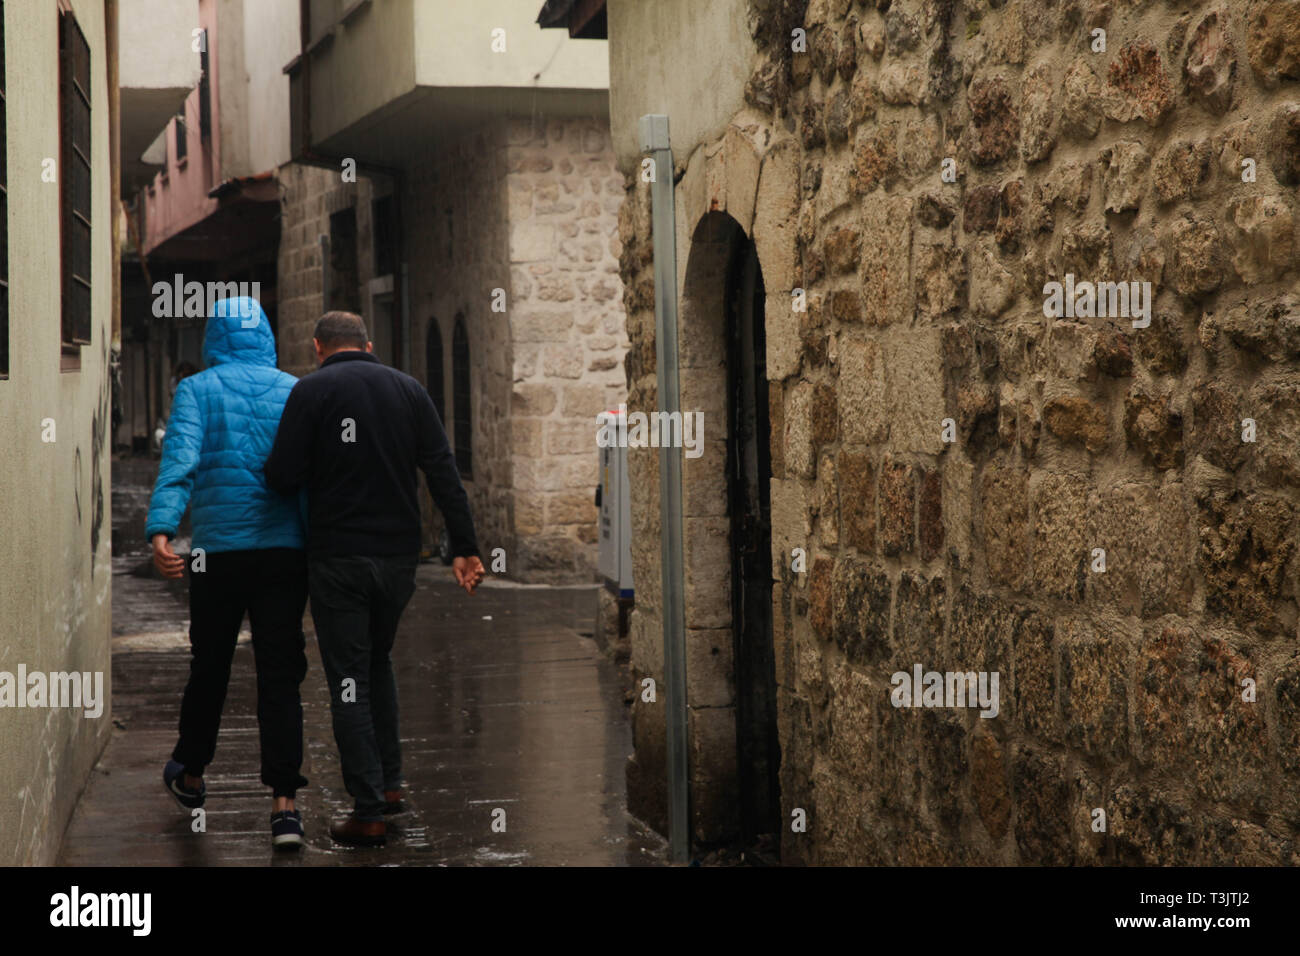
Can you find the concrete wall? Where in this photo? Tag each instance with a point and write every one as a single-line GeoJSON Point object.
{"type": "Point", "coordinates": [680, 57]}
{"type": "Point", "coordinates": [55, 540]}
{"type": "Point", "coordinates": [389, 52]}
{"type": "Point", "coordinates": [455, 49]}
{"type": "Point", "coordinates": [270, 41]}
{"type": "Point", "coordinates": [231, 94]}
{"type": "Point", "coordinates": [158, 33]}
{"type": "Point", "coordinates": [1127, 690]}
{"type": "Point", "coordinates": [351, 78]}
{"type": "Point", "coordinates": [157, 68]}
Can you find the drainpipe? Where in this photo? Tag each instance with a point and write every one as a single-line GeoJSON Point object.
{"type": "Point", "coordinates": [654, 140]}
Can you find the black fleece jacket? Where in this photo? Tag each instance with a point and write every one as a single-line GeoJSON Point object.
{"type": "Point", "coordinates": [353, 433]}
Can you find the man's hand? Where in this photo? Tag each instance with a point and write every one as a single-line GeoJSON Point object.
{"type": "Point", "coordinates": [168, 562]}
{"type": "Point", "coordinates": [469, 572]}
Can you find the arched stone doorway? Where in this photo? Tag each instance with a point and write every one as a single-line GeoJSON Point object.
{"type": "Point", "coordinates": [730, 659]}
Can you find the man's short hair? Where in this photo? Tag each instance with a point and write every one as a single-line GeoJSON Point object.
{"type": "Point", "coordinates": [340, 330]}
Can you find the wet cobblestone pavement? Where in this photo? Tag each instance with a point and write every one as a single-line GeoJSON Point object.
{"type": "Point", "coordinates": [505, 704]}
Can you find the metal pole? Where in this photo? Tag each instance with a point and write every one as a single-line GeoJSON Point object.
{"type": "Point", "coordinates": [654, 140]}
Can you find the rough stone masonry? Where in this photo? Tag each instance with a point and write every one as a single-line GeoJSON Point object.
{"type": "Point", "coordinates": [1163, 691]}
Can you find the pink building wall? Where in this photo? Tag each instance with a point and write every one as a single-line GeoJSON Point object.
{"type": "Point", "coordinates": [178, 196]}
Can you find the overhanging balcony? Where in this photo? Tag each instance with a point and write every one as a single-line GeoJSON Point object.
{"type": "Point", "coordinates": [158, 68]}
{"type": "Point", "coordinates": [387, 82]}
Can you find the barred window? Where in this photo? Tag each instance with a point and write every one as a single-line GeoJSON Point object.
{"type": "Point", "coordinates": [344, 271]}
{"type": "Point", "coordinates": [385, 236]}
{"type": "Point", "coordinates": [460, 397]}
{"type": "Point", "coordinates": [433, 364]}
{"type": "Point", "coordinates": [75, 180]}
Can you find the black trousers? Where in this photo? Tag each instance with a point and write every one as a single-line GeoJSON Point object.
{"type": "Point", "coordinates": [356, 603]}
{"type": "Point", "coordinates": [271, 585]}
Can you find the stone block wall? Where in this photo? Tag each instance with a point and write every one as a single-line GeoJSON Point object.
{"type": "Point", "coordinates": [309, 196]}
{"type": "Point", "coordinates": [567, 328]}
{"type": "Point", "coordinates": [1163, 691]}
{"type": "Point", "coordinates": [527, 206]}
{"type": "Point", "coordinates": [455, 234]}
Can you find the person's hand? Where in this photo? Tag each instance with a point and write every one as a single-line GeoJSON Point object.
{"type": "Point", "coordinates": [168, 562]}
{"type": "Point", "coordinates": [469, 572]}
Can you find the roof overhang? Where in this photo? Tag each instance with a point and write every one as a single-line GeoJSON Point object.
{"type": "Point", "coordinates": [144, 113]}
{"type": "Point", "coordinates": [411, 128]}
{"type": "Point", "coordinates": [584, 19]}
{"type": "Point", "coordinates": [247, 219]}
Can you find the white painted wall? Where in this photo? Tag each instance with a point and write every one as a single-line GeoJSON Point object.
{"type": "Point", "coordinates": [55, 589]}
{"type": "Point", "coordinates": [156, 43]}
{"type": "Point", "coordinates": [455, 48]}
{"type": "Point", "coordinates": [392, 48]}
{"type": "Point", "coordinates": [270, 41]}
{"type": "Point", "coordinates": [686, 58]}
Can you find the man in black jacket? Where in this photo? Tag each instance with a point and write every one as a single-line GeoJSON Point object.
{"type": "Point", "coordinates": [353, 433]}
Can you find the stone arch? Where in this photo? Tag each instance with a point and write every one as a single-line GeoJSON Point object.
{"type": "Point", "coordinates": [722, 295]}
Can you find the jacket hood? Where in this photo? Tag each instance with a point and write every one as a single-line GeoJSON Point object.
{"type": "Point", "coordinates": [238, 331]}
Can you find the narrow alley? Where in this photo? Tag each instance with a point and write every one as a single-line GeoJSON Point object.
{"type": "Point", "coordinates": [507, 703]}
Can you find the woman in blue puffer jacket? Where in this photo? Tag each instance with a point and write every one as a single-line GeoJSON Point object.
{"type": "Point", "coordinates": [247, 555]}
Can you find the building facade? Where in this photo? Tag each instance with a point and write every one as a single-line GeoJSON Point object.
{"type": "Point", "coordinates": [205, 206]}
{"type": "Point", "coordinates": [56, 341]}
{"type": "Point", "coordinates": [1096, 503]}
{"type": "Point", "coordinates": [464, 200]}
{"type": "Point", "coordinates": [161, 68]}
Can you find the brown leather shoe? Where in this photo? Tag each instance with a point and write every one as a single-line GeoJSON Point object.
{"type": "Point", "coordinates": [354, 832]}
{"type": "Point", "coordinates": [393, 801]}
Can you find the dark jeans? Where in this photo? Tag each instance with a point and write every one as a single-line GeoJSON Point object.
{"type": "Point", "coordinates": [356, 602]}
{"type": "Point", "coordinates": [271, 585]}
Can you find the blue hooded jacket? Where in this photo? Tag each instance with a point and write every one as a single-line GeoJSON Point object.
{"type": "Point", "coordinates": [222, 426]}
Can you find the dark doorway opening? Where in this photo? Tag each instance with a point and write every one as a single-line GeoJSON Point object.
{"type": "Point", "coordinates": [749, 477]}
{"type": "Point", "coordinates": [434, 371]}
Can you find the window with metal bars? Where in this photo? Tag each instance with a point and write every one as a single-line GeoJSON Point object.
{"type": "Point", "coordinates": [384, 236]}
{"type": "Point", "coordinates": [181, 145]}
{"type": "Point", "coordinates": [434, 375]}
{"type": "Point", "coordinates": [463, 426]}
{"type": "Point", "coordinates": [4, 207]}
{"type": "Point", "coordinates": [344, 271]}
{"type": "Point", "coordinates": [75, 180]}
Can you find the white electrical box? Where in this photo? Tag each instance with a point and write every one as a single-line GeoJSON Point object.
{"type": "Point", "coordinates": [615, 517]}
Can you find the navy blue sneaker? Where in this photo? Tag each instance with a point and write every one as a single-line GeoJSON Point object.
{"type": "Point", "coordinates": [173, 778]}
{"type": "Point", "coordinates": [286, 829]}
